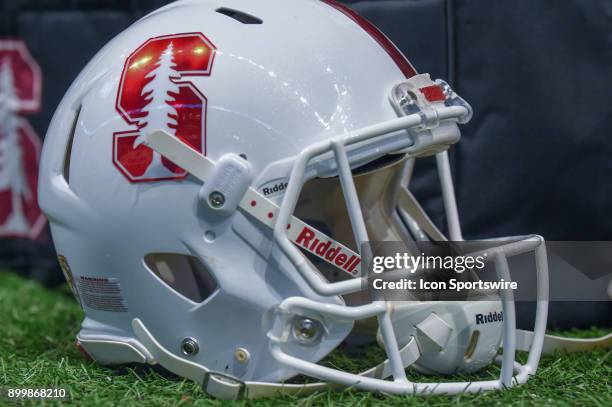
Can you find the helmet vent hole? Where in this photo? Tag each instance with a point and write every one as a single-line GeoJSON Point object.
{"type": "Point", "coordinates": [68, 154]}
{"type": "Point", "coordinates": [239, 16]}
{"type": "Point", "coordinates": [184, 274]}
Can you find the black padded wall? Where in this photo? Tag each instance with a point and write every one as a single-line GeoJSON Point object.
{"type": "Point", "coordinates": [538, 155]}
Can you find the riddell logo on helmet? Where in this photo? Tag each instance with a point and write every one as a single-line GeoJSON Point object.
{"type": "Point", "coordinates": [333, 254]}
{"type": "Point", "coordinates": [274, 189]}
{"type": "Point", "coordinates": [491, 317]}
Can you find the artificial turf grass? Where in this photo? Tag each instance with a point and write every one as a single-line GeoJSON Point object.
{"type": "Point", "coordinates": [37, 349]}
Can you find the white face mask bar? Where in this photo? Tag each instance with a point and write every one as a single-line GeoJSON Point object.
{"type": "Point", "coordinates": [398, 358]}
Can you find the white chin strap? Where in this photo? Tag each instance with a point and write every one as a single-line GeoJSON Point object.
{"type": "Point", "coordinates": [563, 344]}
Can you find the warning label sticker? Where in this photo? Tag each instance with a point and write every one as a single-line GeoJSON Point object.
{"type": "Point", "coordinates": [103, 294]}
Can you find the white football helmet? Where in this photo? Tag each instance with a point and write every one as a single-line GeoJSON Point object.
{"type": "Point", "coordinates": [195, 177]}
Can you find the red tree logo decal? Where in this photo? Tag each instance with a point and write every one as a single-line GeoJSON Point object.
{"type": "Point", "coordinates": [20, 84]}
{"type": "Point", "coordinates": [155, 94]}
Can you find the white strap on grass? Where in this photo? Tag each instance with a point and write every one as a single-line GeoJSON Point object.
{"type": "Point", "coordinates": [554, 343]}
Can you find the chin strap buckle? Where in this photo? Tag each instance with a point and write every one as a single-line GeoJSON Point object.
{"type": "Point", "coordinates": [223, 386]}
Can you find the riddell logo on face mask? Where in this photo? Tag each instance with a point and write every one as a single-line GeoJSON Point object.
{"type": "Point", "coordinates": [327, 250]}
{"type": "Point", "coordinates": [490, 317]}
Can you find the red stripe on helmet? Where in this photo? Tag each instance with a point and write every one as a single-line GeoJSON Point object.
{"type": "Point", "coordinates": [401, 61]}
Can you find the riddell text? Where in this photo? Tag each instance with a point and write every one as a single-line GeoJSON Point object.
{"type": "Point", "coordinates": [326, 250]}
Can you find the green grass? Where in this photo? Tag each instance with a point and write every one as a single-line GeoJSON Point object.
{"type": "Point", "coordinates": [38, 327]}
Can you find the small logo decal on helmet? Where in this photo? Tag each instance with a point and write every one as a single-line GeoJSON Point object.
{"type": "Point", "coordinates": [20, 83]}
{"type": "Point", "coordinates": [155, 94]}
{"type": "Point", "coordinates": [492, 316]}
{"type": "Point", "coordinates": [275, 187]}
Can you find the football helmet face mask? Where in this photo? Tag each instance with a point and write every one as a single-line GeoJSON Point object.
{"type": "Point", "coordinates": [172, 174]}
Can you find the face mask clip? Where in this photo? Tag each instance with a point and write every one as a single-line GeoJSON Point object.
{"type": "Point", "coordinates": [420, 95]}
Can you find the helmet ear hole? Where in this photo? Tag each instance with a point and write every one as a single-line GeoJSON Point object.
{"type": "Point", "coordinates": [186, 275]}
